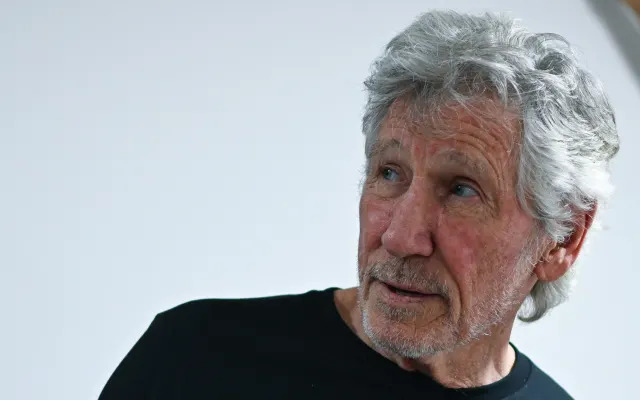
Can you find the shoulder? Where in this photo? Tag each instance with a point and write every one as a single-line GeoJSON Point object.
{"type": "Point", "coordinates": [541, 385]}
{"type": "Point", "coordinates": [206, 335]}
{"type": "Point", "coordinates": [227, 316]}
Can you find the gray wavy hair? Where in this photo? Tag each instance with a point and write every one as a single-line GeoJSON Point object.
{"type": "Point", "coordinates": [568, 126]}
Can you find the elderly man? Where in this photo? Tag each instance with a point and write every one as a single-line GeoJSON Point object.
{"type": "Point", "coordinates": [487, 149]}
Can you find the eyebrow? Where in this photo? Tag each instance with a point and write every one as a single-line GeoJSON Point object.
{"type": "Point", "coordinates": [464, 160]}
{"type": "Point", "coordinates": [452, 156]}
{"type": "Point", "coordinates": [380, 147]}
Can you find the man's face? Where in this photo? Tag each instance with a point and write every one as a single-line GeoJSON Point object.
{"type": "Point", "coordinates": [440, 219]}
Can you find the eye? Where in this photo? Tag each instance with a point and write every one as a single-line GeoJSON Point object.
{"type": "Point", "coordinates": [389, 174]}
{"type": "Point", "coordinates": [462, 190]}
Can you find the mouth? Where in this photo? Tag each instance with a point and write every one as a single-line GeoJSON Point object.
{"type": "Point", "coordinates": [401, 293]}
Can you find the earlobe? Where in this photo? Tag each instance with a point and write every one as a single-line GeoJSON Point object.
{"type": "Point", "coordinates": [554, 265]}
{"type": "Point", "coordinates": [557, 261]}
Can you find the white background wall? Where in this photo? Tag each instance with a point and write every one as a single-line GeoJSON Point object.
{"type": "Point", "coordinates": [153, 152]}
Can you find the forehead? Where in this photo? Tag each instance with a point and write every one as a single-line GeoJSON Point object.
{"type": "Point", "coordinates": [483, 126]}
{"type": "Point", "coordinates": [484, 118]}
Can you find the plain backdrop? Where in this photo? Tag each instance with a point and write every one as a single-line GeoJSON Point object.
{"type": "Point", "coordinates": [153, 152]}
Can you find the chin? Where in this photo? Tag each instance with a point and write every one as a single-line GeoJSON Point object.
{"type": "Point", "coordinates": [402, 332]}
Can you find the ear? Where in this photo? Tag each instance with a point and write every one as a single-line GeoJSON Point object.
{"type": "Point", "coordinates": [557, 260]}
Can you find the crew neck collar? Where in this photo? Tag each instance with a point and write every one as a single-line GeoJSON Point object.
{"type": "Point", "coordinates": [381, 369]}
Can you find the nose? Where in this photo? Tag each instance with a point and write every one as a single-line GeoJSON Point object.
{"type": "Point", "coordinates": [410, 231]}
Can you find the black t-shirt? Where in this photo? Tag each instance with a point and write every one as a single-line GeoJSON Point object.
{"type": "Point", "coordinates": [284, 347]}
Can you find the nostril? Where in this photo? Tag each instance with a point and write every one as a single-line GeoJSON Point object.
{"type": "Point", "coordinates": [407, 241]}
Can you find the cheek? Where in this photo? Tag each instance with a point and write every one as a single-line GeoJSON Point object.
{"type": "Point", "coordinates": [470, 255]}
{"type": "Point", "coordinates": [460, 245]}
{"type": "Point", "coordinates": [477, 255]}
{"type": "Point", "coordinates": [374, 220]}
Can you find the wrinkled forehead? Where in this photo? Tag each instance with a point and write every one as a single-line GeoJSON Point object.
{"type": "Point", "coordinates": [446, 118]}
{"type": "Point", "coordinates": [485, 116]}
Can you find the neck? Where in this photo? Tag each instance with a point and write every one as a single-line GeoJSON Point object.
{"type": "Point", "coordinates": [478, 363]}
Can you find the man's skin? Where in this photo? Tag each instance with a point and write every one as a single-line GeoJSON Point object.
{"type": "Point", "coordinates": [635, 5]}
{"type": "Point", "coordinates": [440, 197]}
